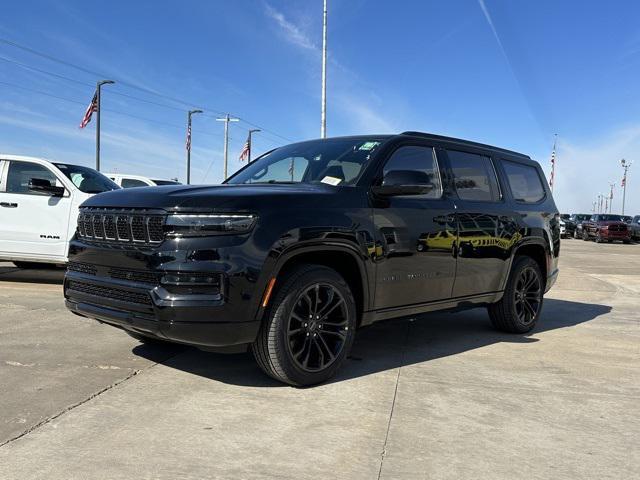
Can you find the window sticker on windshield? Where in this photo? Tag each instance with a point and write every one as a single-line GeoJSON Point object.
{"type": "Point", "coordinates": [366, 146]}
{"type": "Point", "coordinates": [331, 180]}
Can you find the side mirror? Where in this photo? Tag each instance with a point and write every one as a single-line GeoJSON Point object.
{"type": "Point", "coordinates": [41, 185]}
{"type": "Point", "coordinates": [404, 182]}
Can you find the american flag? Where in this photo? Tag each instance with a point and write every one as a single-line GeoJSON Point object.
{"type": "Point", "coordinates": [246, 148]}
{"type": "Point", "coordinates": [624, 181]}
{"type": "Point", "coordinates": [93, 107]}
{"type": "Point", "coordinates": [188, 138]}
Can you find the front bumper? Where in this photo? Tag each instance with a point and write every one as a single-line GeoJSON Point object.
{"type": "Point", "coordinates": [615, 235]}
{"type": "Point", "coordinates": [146, 309]}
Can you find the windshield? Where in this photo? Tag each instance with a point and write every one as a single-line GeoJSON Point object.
{"type": "Point", "coordinates": [87, 179]}
{"type": "Point", "coordinates": [581, 217]}
{"type": "Point", "coordinates": [337, 161]}
{"type": "Point", "coordinates": [609, 218]}
{"type": "Point", "coordinates": [165, 182]}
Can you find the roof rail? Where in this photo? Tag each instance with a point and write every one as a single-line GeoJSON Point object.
{"type": "Point", "coordinates": [460, 141]}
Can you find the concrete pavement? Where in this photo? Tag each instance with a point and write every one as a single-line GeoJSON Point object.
{"type": "Point", "coordinates": [440, 397]}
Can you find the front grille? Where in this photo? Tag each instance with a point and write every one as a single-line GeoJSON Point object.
{"type": "Point", "coordinates": [111, 293]}
{"type": "Point", "coordinates": [82, 268]}
{"type": "Point", "coordinates": [617, 228]}
{"type": "Point", "coordinates": [134, 275]}
{"type": "Point", "coordinates": [121, 226]}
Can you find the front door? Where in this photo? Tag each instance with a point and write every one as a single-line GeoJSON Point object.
{"type": "Point", "coordinates": [417, 233]}
{"type": "Point", "coordinates": [33, 224]}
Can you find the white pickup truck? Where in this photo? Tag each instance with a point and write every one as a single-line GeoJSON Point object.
{"type": "Point", "coordinates": [39, 202]}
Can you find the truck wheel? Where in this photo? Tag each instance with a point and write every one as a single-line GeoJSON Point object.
{"type": "Point", "coordinates": [519, 308]}
{"type": "Point", "coordinates": [309, 327]}
{"type": "Point", "coordinates": [585, 235]}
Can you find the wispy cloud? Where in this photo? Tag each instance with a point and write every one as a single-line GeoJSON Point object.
{"type": "Point", "coordinates": [354, 100]}
{"type": "Point", "coordinates": [292, 33]}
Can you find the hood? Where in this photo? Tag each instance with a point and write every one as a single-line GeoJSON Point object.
{"type": "Point", "coordinates": [215, 197]}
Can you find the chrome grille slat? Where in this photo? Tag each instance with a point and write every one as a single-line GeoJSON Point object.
{"type": "Point", "coordinates": [121, 226]}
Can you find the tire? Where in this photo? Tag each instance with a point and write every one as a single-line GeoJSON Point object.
{"type": "Point", "coordinates": [35, 265]}
{"type": "Point", "coordinates": [299, 352]}
{"type": "Point", "coordinates": [511, 314]}
{"type": "Point", "coordinates": [585, 235]}
{"type": "Point", "coordinates": [626, 242]}
{"type": "Point", "coordinates": [598, 238]}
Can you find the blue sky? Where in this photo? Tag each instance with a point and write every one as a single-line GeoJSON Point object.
{"type": "Point", "coordinates": [509, 73]}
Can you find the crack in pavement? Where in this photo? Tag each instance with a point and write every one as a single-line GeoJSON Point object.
{"type": "Point", "coordinates": [82, 402]}
{"type": "Point", "coordinates": [395, 394]}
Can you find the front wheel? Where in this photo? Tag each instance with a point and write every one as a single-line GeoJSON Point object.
{"type": "Point", "coordinates": [309, 327]}
{"type": "Point", "coordinates": [585, 235]}
{"type": "Point", "coordinates": [518, 310]}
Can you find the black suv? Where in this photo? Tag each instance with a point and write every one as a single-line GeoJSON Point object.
{"type": "Point", "coordinates": [316, 239]}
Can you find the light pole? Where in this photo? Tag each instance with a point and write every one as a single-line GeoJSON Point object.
{"type": "Point", "coordinates": [323, 114]}
{"type": "Point", "coordinates": [253, 130]}
{"type": "Point", "coordinates": [191, 112]}
{"type": "Point", "coordinates": [98, 108]}
{"type": "Point", "coordinates": [226, 119]}
{"type": "Point", "coordinates": [625, 166]}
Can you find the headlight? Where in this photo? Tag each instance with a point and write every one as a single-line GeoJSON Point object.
{"type": "Point", "coordinates": [196, 225]}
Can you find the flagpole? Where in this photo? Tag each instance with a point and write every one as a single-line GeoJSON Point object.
{"type": "Point", "coordinates": [611, 196]}
{"type": "Point", "coordinates": [98, 108]}
{"type": "Point", "coordinates": [323, 114]}
{"type": "Point", "coordinates": [553, 162]}
{"type": "Point", "coordinates": [191, 112]}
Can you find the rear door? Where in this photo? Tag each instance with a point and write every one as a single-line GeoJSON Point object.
{"type": "Point", "coordinates": [417, 233]}
{"type": "Point", "coordinates": [487, 230]}
{"type": "Point", "coordinates": [33, 225]}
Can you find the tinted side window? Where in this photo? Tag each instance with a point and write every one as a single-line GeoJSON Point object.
{"type": "Point", "coordinates": [524, 181]}
{"type": "Point", "coordinates": [132, 182]}
{"type": "Point", "coordinates": [21, 172]}
{"type": "Point", "coordinates": [421, 159]}
{"type": "Point", "coordinates": [474, 176]}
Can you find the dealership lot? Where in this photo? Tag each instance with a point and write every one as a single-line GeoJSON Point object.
{"type": "Point", "coordinates": [443, 396]}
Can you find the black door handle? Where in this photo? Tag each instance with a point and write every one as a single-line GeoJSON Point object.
{"type": "Point", "coordinates": [8, 205]}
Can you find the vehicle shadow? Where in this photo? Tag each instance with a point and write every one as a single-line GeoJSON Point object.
{"type": "Point", "coordinates": [387, 345]}
{"type": "Point", "coordinates": [10, 273]}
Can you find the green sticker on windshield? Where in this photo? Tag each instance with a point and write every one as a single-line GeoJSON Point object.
{"type": "Point", "coordinates": [366, 146]}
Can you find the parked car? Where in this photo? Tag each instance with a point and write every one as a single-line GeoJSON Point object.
{"type": "Point", "coordinates": [606, 227]}
{"type": "Point", "coordinates": [626, 218]}
{"type": "Point", "coordinates": [563, 228]}
{"type": "Point", "coordinates": [634, 227]}
{"type": "Point", "coordinates": [39, 202]}
{"type": "Point", "coordinates": [308, 243]}
{"type": "Point", "coordinates": [574, 224]}
{"type": "Point", "coordinates": [130, 181]}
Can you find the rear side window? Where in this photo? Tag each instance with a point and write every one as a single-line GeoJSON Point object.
{"type": "Point", "coordinates": [474, 176]}
{"type": "Point", "coordinates": [524, 181]}
{"type": "Point", "coordinates": [132, 182]}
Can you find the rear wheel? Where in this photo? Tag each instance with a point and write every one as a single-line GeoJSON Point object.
{"type": "Point", "coordinates": [519, 308]}
{"type": "Point", "coordinates": [585, 235]}
{"type": "Point", "coordinates": [309, 327]}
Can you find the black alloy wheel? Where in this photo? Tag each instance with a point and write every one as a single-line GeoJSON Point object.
{"type": "Point", "coordinates": [520, 306]}
{"type": "Point", "coordinates": [308, 327]}
{"type": "Point", "coordinates": [527, 296]}
{"type": "Point", "coordinates": [317, 327]}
